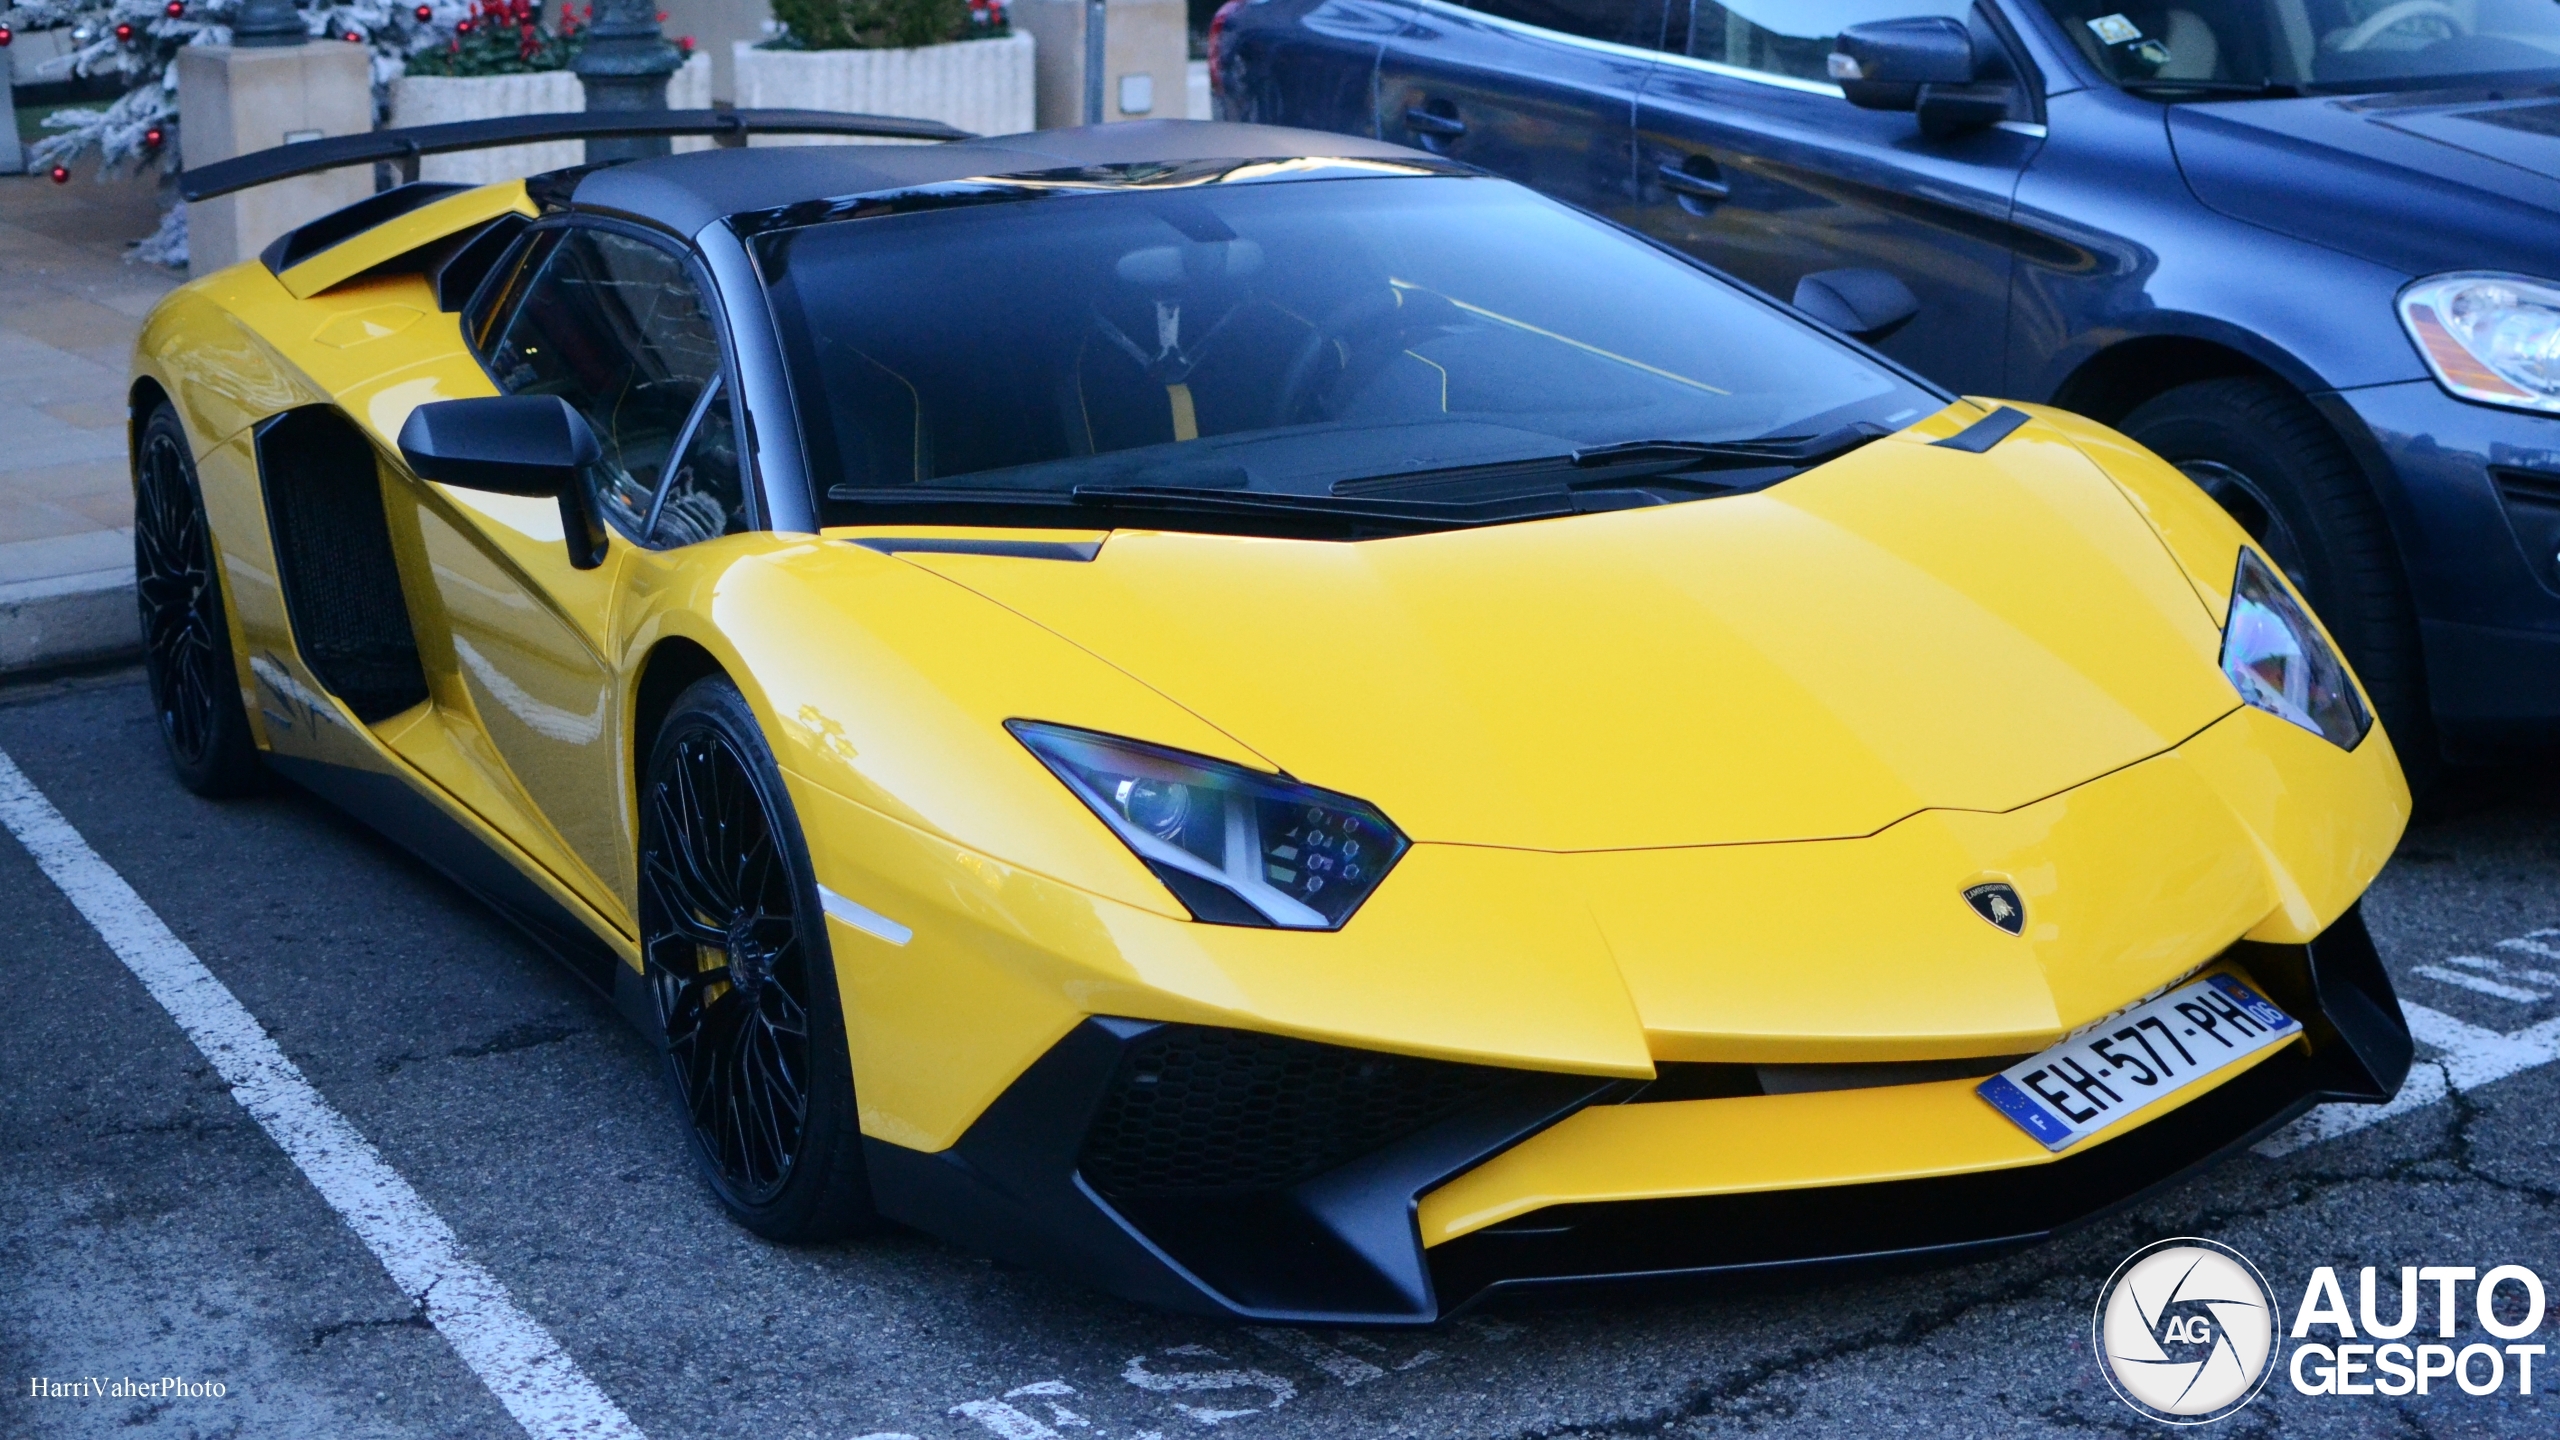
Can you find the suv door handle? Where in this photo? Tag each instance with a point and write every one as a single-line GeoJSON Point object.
{"type": "Point", "coordinates": [1675, 175]}
{"type": "Point", "coordinates": [1439, 127]}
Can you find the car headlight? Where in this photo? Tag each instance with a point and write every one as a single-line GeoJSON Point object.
{"type": "Point", "coordinates": [2491, 338]}
{"type": "Point", "coordinates": [2280, 663]}
{"type": "Point", "coordinates": [1235, 846]}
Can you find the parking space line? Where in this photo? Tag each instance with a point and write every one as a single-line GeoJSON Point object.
{"type": "Point", "coordinates": [2477, 984]}
{"type": "Point", "coordinates": [2470, 1056]}
{"type": "Point", "coordinates": [520, 1362]}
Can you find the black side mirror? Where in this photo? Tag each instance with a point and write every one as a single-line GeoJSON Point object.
{"type": "Point", "coordinates": [1867, 304]}
{"type": "Point", "coordinates": [1926, 65]}
{"type": "Point", "coordinates": [513, 445]}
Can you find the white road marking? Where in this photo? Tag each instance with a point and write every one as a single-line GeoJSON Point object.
{"type": "Point", "coordinates": [2471, 1057]}
{"type": "Point", "coordinates": [2494, 967]}
{"type": "Point", "coordinates": [1349, 1369]}
{"type": "Point", "coordinates": [1003, 1421]}
{"type": "Point", "coordinates": [512, 1354]}
{"type": "Point", "coordinates": [1179, 1381]}
{"type": "Point", "coordinates": [2477, 984]}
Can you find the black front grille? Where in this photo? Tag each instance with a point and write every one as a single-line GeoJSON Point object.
{"type": "Point", "coordinates": [1195, 1110]}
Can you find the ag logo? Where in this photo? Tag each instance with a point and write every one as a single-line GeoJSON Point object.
{"type": "Point", "coordinates": [2185, 1331]}
{"type": "Point", "coordinates": [2000, 905]}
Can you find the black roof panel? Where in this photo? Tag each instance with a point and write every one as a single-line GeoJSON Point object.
{"type": "Point", "coordinates": [687, 192]}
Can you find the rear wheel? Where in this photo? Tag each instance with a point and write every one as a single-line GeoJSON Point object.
{"type": "Point", "coordinates": [186, 635]}
{"type": "Point", "coordinates": [2267, 457]}
{"type": "Point", "coordinates": [740, 971]}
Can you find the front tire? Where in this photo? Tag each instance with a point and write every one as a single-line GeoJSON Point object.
{"type": "Point", "coordinates": [742, 977]}
{"type": "Point", "coordinates": [2268, 458]}
{"type": "Point", "coordinates": [186, 633]}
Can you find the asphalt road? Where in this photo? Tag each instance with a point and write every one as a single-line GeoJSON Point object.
{"type": "Point", "coordinates": [148, 1227]}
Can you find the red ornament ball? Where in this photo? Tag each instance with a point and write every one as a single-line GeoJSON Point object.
{"type": "Point", "coordinates": [152, 137]}
{"type": "Point", "coordinates": [124, 32]}
{"type": "Point", "coordinates": [355, 37]}
{"type": "Point", "coordinates": [7, 35]}
{"type": "Point", "coordinates": [60, 175]}
{"type": "Point", "coordinates": [461, 27]}
{"type": "Point", "coordinates": [425, 13]}
{"type": "Point", "coordinates": [175, 8]}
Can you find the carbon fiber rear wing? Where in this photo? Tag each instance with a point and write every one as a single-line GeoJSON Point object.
{"type": "Point", "coordinates": [405, 148]}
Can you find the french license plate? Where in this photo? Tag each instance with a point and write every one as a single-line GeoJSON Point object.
{"type": "Point", "coordinates": [2094, 1078]}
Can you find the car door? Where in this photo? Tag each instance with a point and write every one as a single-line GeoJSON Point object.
{"type": "Point", "coordinates": [1540, 91]}
{"type": "Point", "coordinates": [1748, 158]}
{"type": "Point", "coordinates": [619, 324]}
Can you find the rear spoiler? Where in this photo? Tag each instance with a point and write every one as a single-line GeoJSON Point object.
{"type": "Point", "coordinates": [404, 148]}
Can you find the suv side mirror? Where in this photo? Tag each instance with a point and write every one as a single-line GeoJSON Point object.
{"type": "Point", "coordinates": [513, 445]}
{"type": "Point", "coordinates": [1926, 65]}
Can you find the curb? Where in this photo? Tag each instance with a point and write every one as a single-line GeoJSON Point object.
{"type": "Point", "coordinates": [67, 602]}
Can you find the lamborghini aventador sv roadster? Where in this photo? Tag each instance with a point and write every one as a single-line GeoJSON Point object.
{"type": "Point", "coordinates": [1267, 719]}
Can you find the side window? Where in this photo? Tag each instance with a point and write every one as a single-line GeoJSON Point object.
{"type": "Point", "coordinates": [1784, 37]}
{"type": "Point", "coordinates": [618, 328]}
{"type": "Point", "coordinates": [1622, 22]}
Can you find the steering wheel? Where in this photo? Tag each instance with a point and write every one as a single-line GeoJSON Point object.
{"type": "Point", "coordinates": [2391, 16]}
{"type": "Point", "coordinates": [1307, 370]}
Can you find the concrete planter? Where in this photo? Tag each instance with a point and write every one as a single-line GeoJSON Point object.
{"type": "Point", "coordinates": [982, 86]}
{"type": "Point", "coordinates": [438, 99]}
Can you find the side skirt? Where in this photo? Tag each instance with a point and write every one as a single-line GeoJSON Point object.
{"type": "Point", "coordinates": [411, 821]}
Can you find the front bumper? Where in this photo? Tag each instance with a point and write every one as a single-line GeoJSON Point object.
{"type": "Point", "coordinates": [2474, 497]}
{"type": "Point", "coordinates": [1235, 1174]}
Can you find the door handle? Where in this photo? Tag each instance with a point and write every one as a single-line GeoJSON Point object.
{"type": "Point", "coordinates": [1439, 127]}
{"type": "Point", "coordinates": [1676, 176]}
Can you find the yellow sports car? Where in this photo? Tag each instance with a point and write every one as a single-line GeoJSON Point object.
{"type": "Point", "coordinates": [1268, 720]}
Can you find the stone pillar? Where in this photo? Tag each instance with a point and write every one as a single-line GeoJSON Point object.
{"type": "Point", "coordinates": [13, 156]}
{"type": "Point", "coordinates": [1147, 45]}
{"type": "Point", "coordinates": [234, 100]}
{"type": "Point", "coordinates": [624, 65]}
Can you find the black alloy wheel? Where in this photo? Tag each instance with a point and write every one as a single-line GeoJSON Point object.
{"type": "Point", "coordinates": [2268, 458]}
{"type": "Point", "coordinates": [186, 634]}
{"type": "Point", "coordinates": [739, 970]}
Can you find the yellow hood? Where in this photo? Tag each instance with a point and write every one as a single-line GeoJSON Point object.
{"type": "Point", "coordinates": [1907, 628]}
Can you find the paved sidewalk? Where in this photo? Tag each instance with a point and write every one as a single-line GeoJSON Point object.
{"type": "Point", "coordinates": [70, 306]}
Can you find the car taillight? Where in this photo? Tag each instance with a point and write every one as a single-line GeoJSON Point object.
{"type": "Point", "coordinates": [1217, 57]}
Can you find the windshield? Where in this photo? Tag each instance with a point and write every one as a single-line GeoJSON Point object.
{"type": "Point", "coordinates": [2275, 46]}
{"type": "Point", "coordinates": [1298, 339]}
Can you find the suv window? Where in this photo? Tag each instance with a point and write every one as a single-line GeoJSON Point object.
{"type": "Point", "coordinates": [1622, 22]}
{"type": "Point", "coordinates": [1792, 38]}
{"type": "Point", "coordinates": [618, 328]}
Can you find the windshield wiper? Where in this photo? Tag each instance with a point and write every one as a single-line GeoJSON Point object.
{"type": "Point", "coordinates": [1661, 464]}
{"type": "Point", "coordinates": [1801, 452]}
{"type": "Point", "coordinates": [1431, 513]}
{"type": "Point", "coordinates": [2239, 89]}
{"type": "Point", "coordinates": [1261, 511]}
